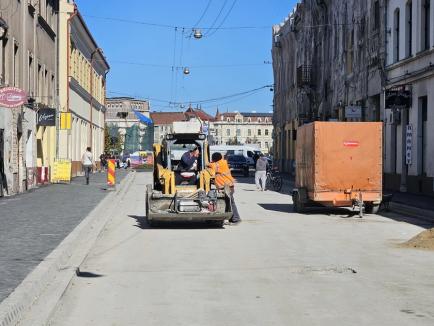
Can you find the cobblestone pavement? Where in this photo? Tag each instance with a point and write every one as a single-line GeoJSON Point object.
{"type": "Point", "coordinates": [34, 223]}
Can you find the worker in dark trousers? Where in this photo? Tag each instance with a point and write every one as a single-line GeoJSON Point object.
{"type": "Point", "coordinates": [223, 178]}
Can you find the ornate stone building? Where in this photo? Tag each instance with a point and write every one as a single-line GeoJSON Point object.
{"type": "Point", "coordinates": [28, 40]}
{"type": "Point", "coordinates": [328, 57]}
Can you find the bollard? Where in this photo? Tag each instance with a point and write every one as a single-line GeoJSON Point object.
{"type": "Point", "coordinates": [111, 173]}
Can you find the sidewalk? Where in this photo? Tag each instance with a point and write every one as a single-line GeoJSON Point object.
{"type": "Point", "coordinates": [34, 223]}
{"type": "Point", "coordinates": [415, 205]}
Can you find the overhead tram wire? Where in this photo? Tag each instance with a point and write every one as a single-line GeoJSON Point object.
{"type": "Point", "coordinates": [211, 100]}
{"type": "Point", "coordinates": [212, 32]}
{"type": "Point", "coordinates": [173, 64]}
{"type": "Point", "coordinates": [203, 15]}
{"type": "Point", "coordinates": [217, 18]}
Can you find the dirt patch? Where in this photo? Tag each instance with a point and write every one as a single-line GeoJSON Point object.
{"type": "Point", "coordinates": [424, 240]}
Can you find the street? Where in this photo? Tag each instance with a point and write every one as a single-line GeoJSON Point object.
{"type": "Point", "coordinates": [275, 268]}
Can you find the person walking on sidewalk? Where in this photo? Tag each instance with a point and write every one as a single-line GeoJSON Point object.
{"type": "Point", "coordinates": [223, 178]}
{"type": "Point", "coordinates": [261, 172]}
{"type": "Point", "coordinates": [87, 161]}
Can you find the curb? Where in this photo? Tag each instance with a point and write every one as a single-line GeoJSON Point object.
{"type": "Point", "coordinates": [420, 213]}
{"type": "Point", "coordinates": [41, 290]}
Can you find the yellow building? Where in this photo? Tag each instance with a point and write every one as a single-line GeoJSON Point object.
{"type": "Point", "coordinates": [82, 87]}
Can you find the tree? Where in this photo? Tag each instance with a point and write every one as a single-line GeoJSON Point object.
{"type": "Point", "coordinates": [112, 140]}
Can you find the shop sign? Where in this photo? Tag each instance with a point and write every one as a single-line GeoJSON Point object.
{"type": "Point", "coordinates": [46, 117]}
{"type": "Point", "coordinates": [398, 98]}
{"type": "Point", "coordinates": [12, 97]}
{"type": "Point", "coordinates": [61, 171]}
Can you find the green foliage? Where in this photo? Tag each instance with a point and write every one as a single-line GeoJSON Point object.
{"type": "Point", "coordinates": [112, 140]}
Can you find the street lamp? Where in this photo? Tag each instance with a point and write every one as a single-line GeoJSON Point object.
{"type": "Point", "coordinates": [186, 71]}
{"type": "Point", "coordinates": [197, 34]}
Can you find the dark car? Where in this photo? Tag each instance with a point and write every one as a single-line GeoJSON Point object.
{"type": "Point", "coordinates": [238, 163]}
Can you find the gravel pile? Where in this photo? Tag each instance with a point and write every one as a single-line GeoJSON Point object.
{"type": "Point", "coordinates": [424, 240]}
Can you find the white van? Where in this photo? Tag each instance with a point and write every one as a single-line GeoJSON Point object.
{"type": "Point", "coordinates": [248, 151]}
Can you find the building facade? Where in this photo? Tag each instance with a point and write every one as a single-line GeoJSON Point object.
{"type": "Point", "coordinates": [233, 128]}
{"type": "Point", "coordinates": [409, 130]}
{"type": "Point", "coordinates": [123, 120]}
{"type": "Point", "coordinates": [28, 55]}
{"type": "Point", "coordinates": [82, 87]}
{"type": "Point", "coordinates": [348, 34]}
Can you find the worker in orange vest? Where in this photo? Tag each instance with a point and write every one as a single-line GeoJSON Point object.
{"type": "Point", "coordinates": [223, 177]}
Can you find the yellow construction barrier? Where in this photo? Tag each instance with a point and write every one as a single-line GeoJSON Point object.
{"type": "Point", "coordinates": [111, 173]}
{"type": "Point", "coordinates": [61, 171]}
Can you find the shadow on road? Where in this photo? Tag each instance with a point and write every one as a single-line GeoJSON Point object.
{"type": "Point", "coordinates": [285, 208]}
{"type": "Point", "coordinates": [143, 224]}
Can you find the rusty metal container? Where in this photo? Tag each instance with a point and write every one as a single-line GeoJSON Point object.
{"type": "Point", "coordinates": [338, 164]}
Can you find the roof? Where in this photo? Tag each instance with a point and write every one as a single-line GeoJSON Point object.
{"type": "Point", "coordinates": [256, 114]}
{"type": "Point", "coordinates": [164, 118]}
{"type": "Point", "coordinates": [199, 113]}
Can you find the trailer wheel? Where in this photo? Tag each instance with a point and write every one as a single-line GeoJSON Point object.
{"type": "Point", "coordinates": [297, 204]}
{"type": "Point", "coordinates": [371, 208]}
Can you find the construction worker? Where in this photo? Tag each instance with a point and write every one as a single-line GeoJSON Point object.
{"type": "Point", "coordinates": [223, 177]}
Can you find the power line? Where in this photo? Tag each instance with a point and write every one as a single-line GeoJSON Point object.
{"type": "Point", "coordinates": [212, 32]}
{"type": "Point", "coordinates": [218, 16]}
{"type": "Point", "coordinates": [203, 13]}
{"type": "Point", "coordinates": [235, 65]}
{"type": "Point", "coordinates": [211, 100]}
{"type": "Point", "coordinates": [131, 21]}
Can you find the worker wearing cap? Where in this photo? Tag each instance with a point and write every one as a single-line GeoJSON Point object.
{"type": "Point", "coordinates": [223, 178]}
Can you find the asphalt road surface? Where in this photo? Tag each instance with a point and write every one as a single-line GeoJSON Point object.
{"type": "Point", "coordinates": [275, 268]}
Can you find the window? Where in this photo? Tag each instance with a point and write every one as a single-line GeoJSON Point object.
{"type": "Point", "coordinates": [249, 120]}
{"type": "Point", "coordinates": [15, 76]}
{"type": "Point", "coordinates": [30, 75]}
{"type": "Point", "coordinates": [409, 28]}
{"type": "Point", "coordinates": [228, 132]}
{"type": "Point", "coordinates": [228, 119]}
{"type": "Point", "coordinates": [350, 52]}
{"type": "Point", "coordinates": [396, 36]}
{"type": "Point", "coordinates": [266, 120]}
{"type": "Point", "coordinates": [377, 15]}
{"type": "Point", "coordinates": [4, 69]}
{"type": "Point", "coordinates": [216, 132]}
{"type": "Point", "coordinates": [259, 120]}
{"type": "Point", "coordinates": [425, 25]}
{"type": "Point", "coordinates": [259, 132]}
{"type": "Point", "coordinates": [266, 132]}
{"type": "Point", "coordinates": [238, 132]}
{"type": "Point", "coordinates": [266, 144]}
{"type": "Point", "coordinates": [249, 132]}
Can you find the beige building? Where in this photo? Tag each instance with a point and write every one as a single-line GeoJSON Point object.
{"type": "Point", "coordinates": [243, 128]}
{"type": "Point", "coordinates": [28, 39]}
{"type": "Point", "coordinates": [124, 116]}
{"type": "Point", "coordinates": [82, 84]}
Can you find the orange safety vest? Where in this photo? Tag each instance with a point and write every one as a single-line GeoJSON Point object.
{"type": "Point", "coordinates": [223, 174]}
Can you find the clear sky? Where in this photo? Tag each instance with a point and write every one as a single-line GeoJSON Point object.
{"type": "Point", "coordinates": [223, 63]}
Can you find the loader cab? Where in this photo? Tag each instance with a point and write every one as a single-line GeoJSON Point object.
{"type": "Point", "coordinates": [176, 145]}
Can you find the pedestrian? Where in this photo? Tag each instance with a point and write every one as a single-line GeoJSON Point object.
{"type": "Point", "coordinates": [103, 161]}
{"type": "Point", "coordinates": [261, 172]}
{"type": "Point", "coordinates": [223, 178]}
{"type": "Point", "coordinates": [87, 161]}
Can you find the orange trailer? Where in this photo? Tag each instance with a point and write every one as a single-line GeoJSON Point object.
{"type": "Point", "coordinates": [339, 164]}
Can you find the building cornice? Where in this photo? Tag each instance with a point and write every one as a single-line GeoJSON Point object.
{"type": "Point", "coordinates": [76, 87]}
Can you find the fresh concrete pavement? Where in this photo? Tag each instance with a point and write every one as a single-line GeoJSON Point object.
{"type": "Point", "coordinates": [275, 268]}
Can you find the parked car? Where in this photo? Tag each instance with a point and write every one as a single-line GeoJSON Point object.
{"type": "Point", "coordinates": [238, 163]}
